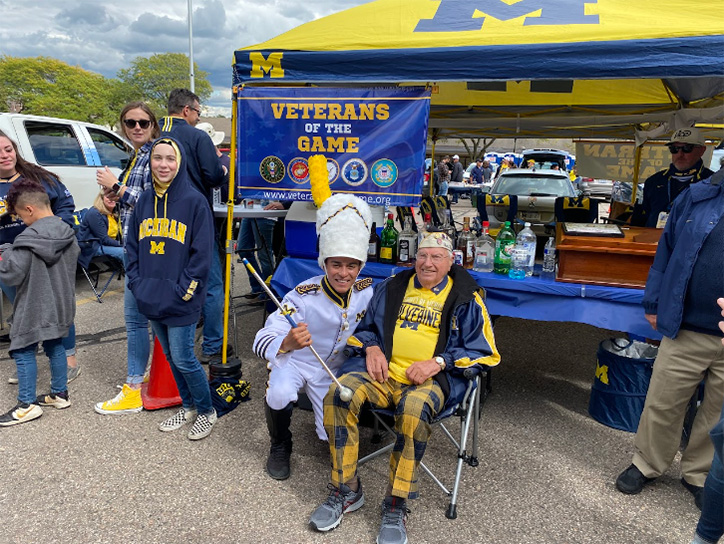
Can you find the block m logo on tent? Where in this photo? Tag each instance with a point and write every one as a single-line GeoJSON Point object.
{"type": "Point", "coordinates": [457, 15]}
{"type": "Point", "coordinates": [270, 65]}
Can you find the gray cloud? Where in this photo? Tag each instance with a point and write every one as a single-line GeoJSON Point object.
{"type": "Point", "coordinates": [105, 37]}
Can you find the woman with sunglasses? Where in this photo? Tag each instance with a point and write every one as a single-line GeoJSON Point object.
{"type": "Point", "coordinates": [660, 190]}
{"type": "Point", "coordinates": [140, 127]}
{"type": "Point", "coordinates": [13, 168]}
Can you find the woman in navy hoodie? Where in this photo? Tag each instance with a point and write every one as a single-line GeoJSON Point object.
{"type": "Point", "coordinates": [168, 253]}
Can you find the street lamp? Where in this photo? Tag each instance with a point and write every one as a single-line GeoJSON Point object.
{"type": "Point", "coordinates": [191, 45]}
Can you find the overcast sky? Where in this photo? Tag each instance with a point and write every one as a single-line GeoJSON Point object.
{"type": "Point", "coordinates": [104, 36]}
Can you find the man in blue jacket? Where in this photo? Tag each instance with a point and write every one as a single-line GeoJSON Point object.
{"type": "Point", "coordinates": [660, 190]}
{"type": "Point", "coordinates": [683, 285]}
{"type": "Point", "coordinates": [205, 172]}
{"type": "Point", "coordinates": [421, 330]}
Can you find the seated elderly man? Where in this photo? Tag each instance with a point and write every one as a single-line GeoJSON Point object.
{"type": "Point", "coordinates": [422, 328]}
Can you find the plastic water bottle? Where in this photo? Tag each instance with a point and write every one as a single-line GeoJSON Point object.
{"type": "Point", "coordinates": [527, 240]}
{"type": "Point", "coordinates": [549, 260]}
{"type": "Point", "coordinates": [519, 258]}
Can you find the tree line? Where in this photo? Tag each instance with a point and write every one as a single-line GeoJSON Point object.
{"type": "Point", "coordinates": [50, 87]}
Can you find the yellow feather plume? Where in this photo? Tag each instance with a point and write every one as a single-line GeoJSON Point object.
{"type": "Point", "coordinates": [319, 179]}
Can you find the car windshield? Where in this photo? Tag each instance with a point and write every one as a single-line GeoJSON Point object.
{"type": "Point", "coordinates": [532, 185]}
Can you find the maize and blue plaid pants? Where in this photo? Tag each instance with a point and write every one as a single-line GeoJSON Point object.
{"type": "Point", "coordinates": [414, 407]}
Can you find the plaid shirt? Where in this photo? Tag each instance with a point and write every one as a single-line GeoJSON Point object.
{"type": "Point", "coordinates": [137, 178]}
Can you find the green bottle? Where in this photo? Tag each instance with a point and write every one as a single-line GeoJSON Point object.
{"type": "Point", "coordinates": [504, 244]}
{"type": "Point", "coordinates": [388, 242]}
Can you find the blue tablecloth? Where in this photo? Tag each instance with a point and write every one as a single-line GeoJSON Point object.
{"type": "Point", "coordinates": [612, 308]}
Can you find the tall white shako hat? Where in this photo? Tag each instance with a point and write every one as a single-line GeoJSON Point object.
{"type": "Point", "coordinates": [343, 220]}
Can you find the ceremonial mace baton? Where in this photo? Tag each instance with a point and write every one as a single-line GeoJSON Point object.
{"type": "Point", "coordinates": [345, 393]}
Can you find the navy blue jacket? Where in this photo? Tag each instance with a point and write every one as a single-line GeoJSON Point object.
{"type": "Point", "coordinates": [692, 218]}
{"type": "Point", "coordinates": [202, 162]}
{"type": "Point", "coordinates": [477, 174]}
{"type": "Point", "coordinates": [61, 202]}
{"type": "Point", "coordinates": [168, 250]}
{"type": "Point", "coordinates": [660, 192]}
{"type": "Point", "coordinates": [466, 333]}
{"type": "Point", "coordinates": [93, 233]}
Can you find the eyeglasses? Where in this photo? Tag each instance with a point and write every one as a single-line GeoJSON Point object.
{"type": "Point", "coordinates": [131, 123]}
{"type": "Point", "coordinates": [687, 148]}
{"type": "Point", "coordinates": [197, 110]}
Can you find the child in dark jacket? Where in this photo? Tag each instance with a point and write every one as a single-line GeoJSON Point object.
{"type": "Point", "coordinates": [41, 264]}
{"type": "Point", "coordinates": [168, 255]}
{"type": "Point", "coordinates": [100, 231]}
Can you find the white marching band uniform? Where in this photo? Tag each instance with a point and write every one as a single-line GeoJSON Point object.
{"type": "Point", "coordinates": [331, 320]}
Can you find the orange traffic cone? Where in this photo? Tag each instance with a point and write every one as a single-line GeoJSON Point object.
{"type": "Point", "coordinates": [161, 390]}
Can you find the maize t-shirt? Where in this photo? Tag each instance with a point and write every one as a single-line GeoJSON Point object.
{"type": "Point", "coordinates": [418, 326]}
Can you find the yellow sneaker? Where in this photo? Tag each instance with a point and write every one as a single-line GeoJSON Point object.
{"type": "Point", "coordinates": [126, 402]}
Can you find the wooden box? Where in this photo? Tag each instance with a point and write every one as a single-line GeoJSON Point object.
{"type": "Point", "coordinates": [620, 262]}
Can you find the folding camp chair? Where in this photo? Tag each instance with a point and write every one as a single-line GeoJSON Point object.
{"type": "Point", "coordinates": [99, 265]}
{"type": "Point", "coordinates": [468, 411]}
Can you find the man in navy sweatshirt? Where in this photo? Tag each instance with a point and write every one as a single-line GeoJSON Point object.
{"type": "Point", "coordinates": [205, 172]}
{"type": "Point", "coordinates": [680, 302]}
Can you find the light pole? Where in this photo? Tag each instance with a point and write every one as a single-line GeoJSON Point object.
{"type": "Point", "coordinates": [191, 45]}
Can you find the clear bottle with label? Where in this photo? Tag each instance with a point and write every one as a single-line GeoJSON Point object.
{"type": "Point", "coordinates": [549, 260]}
{"type": "Point", "coordinates": [484, 251]}
{"type": "Point", "coordinates": [388, 242]}
{"type": "Point", "coordinates": [518, 258]}
{"type": "Point", "coordinates": [425, 230]}
{"type": "Point", "coordinates": [504, 244]}
{"type": "Point", "coordinates": [527, 240]}
{"type": "Point", "coordinates": [373, 249]}
{"type": "Point", "coordinates": [466, 244]}
{"type": "Point", "coordinates": [407, 244]}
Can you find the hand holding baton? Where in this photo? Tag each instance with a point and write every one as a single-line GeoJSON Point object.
{"type": "Point", "coordinates": [345, 393]}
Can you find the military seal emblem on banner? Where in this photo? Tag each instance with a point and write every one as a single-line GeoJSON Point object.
{"type": "Point", "coordinates": [384, 173]}
{"type": "Point", "coordinates": [272, 169]}
{"type": "Point", "coordinates": [332, 170]}
{"type": "Point", "coordinates": [354, 172]}
{"type": "Point", "coordinates": [298, 170]}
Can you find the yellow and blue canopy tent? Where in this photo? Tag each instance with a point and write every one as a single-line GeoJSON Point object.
{"type": "Point", "coordinates": [525, 68]}
{"type": "Point", "coordinates": [531, 68]}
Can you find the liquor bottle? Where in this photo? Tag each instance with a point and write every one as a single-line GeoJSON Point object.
{"type": "Point", "coordinates": [484, 251]}
{"type": "Point", "coordinates": [527, 240]}
{"type": "Point", "coordinates": [504, 244]}
{"type": "Point", "coordinates": [425, 229]}
{"type": "Point", "coordinates": [549, 260]}
{"type": "Point", "coordinates": [466, 244]}
{"type": "Point", "coordinates": [518, 259]}
{"type": "Point", "coordinates": [407, 244]}
{"type": "Point", "coordinates": [388, 242]}
{"type": "Point", "coordinates": [373, 250]}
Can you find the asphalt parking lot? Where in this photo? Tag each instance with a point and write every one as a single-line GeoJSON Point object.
{"type": "Point", "coordinates": [546, 472]}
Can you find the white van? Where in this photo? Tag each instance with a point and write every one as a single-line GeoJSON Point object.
{"type": "Point", "coordinates": [73, 150]}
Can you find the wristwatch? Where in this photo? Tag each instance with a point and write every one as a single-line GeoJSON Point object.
{"type": "Point", "coordinates": [439, 360]}
{"type": "Point", "coordinates": [116, 188]}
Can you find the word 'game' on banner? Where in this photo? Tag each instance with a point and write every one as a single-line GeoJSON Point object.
{"type": "Point", "coordinates": [373, 139]}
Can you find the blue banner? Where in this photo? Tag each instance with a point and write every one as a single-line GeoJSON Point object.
{"type": "Point", "coordinates": [373, 139]}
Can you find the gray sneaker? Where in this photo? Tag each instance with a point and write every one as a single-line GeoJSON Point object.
{"type": "Point", "coordinates": [202, 426]}
{"type": "Point", "coordinates": [394, 518]}
{"type": "Point", "coordinates": [329, 514]}
{"type": "Point", "coordinates": [13, 379]}
{"type": "Point", "coordinates": [73, 373]}
{"type": "Point", "coordinates": [178, 420]}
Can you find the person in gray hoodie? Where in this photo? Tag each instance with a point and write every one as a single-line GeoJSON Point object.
{"type": "Point", "coordinates": [41, 263]}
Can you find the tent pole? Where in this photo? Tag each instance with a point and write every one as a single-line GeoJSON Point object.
{"type": "Point", "coordinates": [431, 186]}
{"type": "Point", "coordinates": [229, 248]}
{"type": "Point", "coordinates": [636, 172]}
